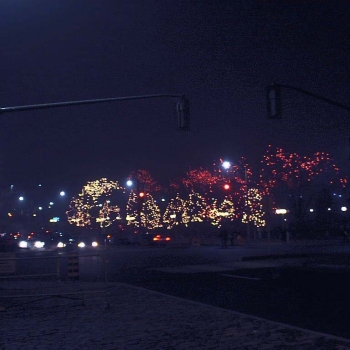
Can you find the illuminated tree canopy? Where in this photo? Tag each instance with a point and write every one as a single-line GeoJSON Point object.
{"type": "Point", "coordinates": [93, 205]}
{"type": "Point", "coordinates": [200, 197]}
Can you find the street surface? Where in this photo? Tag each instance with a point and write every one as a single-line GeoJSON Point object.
{"type": "Point", "coordinates": [307, 291]}
{"type": "Point", "coordinates": [301, 284]}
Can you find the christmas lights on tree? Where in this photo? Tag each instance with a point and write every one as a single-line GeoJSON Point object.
{"type": "Point", "coordinates": [194, 209]}
{"type": "Point", "coordinates": [93, 204]}
{"type": "Point", "coordinates": [212, 212]}
{"type": "Point", "coordinates": [132, 209]}
{"type": "Point", "coordinates": [150, 214]}
{"type": "Point", "coordinates": [254, 209]}
{"type": "Point", "coordinates": [217, 214]}
{"type": "Point", "coordinates": [281, 176]}
{"type": "Point", "coordinates": [174, 212]}
{"type": "Point", "coordinates": [146, 211]}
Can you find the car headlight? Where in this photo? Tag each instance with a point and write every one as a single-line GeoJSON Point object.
{"type": "Point", "coordinates": [39, 244]}
{"type": "Point", "coordinates": [23, 244]}
{"type": "Point", "coordinates": [81, 245]}
{"type": "Point", "coordinates": [60, 245]}
{"type": "Point", "coordinates": [94, 244]}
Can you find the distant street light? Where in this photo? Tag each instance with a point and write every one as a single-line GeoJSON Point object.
{"type": "Point", "coordinates": [283, 212]}
{"type": "Point", "coordinates": [129, 183]}
{"type": "Point", "coordinates": [62, 193]}
{"type": "Point", "coordinates": [226, 165]}
{"type": "Point", "coordinates": [21, 198]}
{"type": "Point", "coordinates": [343, 208]}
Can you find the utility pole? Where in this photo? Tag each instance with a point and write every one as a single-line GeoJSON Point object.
{"type": "Point", "coordinates": [246, 201]}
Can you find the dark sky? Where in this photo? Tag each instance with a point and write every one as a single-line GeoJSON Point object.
{"type": "Point", "coordinates": [220, 54]}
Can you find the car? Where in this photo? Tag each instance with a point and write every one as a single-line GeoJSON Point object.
{"type": "Point", "coordinates": [33, 240]}
{"type": "Point", "coordinates": [86, 242]}
{"type": "Point", "coordinates": [159, 239]}
{"type": "Point", "coordinates": [60, 241]}
{"type": "Point", "coordinates": [48, 241]}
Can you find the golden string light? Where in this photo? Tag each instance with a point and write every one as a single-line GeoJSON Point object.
{"type": "Point", "coordinates": [203, 190]}
{"type": "Point", "coordinates": [93, 204]}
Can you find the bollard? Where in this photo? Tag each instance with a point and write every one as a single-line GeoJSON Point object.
{"type": "Point", "coordinates": [73, 266]}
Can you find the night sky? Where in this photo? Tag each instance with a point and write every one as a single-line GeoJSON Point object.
{"type": "Point", "coordinates": [221, 54]}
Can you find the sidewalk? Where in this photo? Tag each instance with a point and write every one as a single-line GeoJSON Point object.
{"type": "Point", "coordinates": [141, 319]}
{"type": "Point", "coordinates": [262, 249]}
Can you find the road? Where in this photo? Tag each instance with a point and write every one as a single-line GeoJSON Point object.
{"type": "Point", "coordinates": [310, 291]}
{"type": "Point", "coordinates": [307, 292]}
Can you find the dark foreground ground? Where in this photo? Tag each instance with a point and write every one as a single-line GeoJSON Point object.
{"type": "Point", "coordinates": [314, 296]}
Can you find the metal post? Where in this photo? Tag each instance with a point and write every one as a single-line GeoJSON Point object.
{"type": "Point", "coordinates": [139, 207]}
{"type": "Point", "coordinates": [246, 202]}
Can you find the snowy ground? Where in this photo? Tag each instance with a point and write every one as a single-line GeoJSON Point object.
{"type": "Point", "coordinates": [135, 318]}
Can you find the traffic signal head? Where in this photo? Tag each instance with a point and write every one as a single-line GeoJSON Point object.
{"type": "Point", "coordinates": [183, 114]}
{"type": "Point", "coordinates": [274, 102]}
{"type": "Point", "coordinates": [141, 195]}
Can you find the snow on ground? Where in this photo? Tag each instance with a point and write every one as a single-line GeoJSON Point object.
{"type": "Point", "coordinates": [135, 318]}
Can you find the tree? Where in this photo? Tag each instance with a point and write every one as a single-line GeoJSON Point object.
{"type": "Point", "coordinates": [174, 212]}
{"type": "Point", "coordinates": [199, 180]}
{"type": "Point", "coordinates": [145, 181]}
{"type": "Point", "coordinates": [94, 206]}
{"type": "Point", "coordinates": [194, 209]}
{"type": "Point", "coordinates": [150, 213]}
{"type": "Point", "coordinates": [292, 180]}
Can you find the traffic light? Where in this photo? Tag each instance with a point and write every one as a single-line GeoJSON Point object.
{"type": "Point", "coordinates": [274, 102]}
{"type": "Point", "coordinates": [227, 187]}
{"type": "Point", "coordinates": [142, 196]}
{"type": "Point", "coordinates": [183, 114]}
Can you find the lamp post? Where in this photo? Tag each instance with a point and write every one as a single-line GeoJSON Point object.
{"type": "Point", "coordinates": [345, 228]}
{"type": "Point", "coordinates": [140, 193]}
{"type": "Point", "coordinates": [26, 211]}
{"type": "Point", "coordinates": [227, 165]}
{"type": "Point", "coordinates": [283, 212]}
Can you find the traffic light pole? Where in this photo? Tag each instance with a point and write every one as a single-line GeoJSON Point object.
{"type": "Point", "coordinates": [274, 100]}
{"type": "Point", "coordinates": [139, 204]}
{"type": "Point", "coordinates": [182, 107]}
{"type": "Point", "coordinates": [274, 103]}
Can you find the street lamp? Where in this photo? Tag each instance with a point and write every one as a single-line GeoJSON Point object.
{"type": "Point", "coordinates": [129, 183]}
{"type": "Point", "coordinates": [283, 212]}
{"type": "Point", "coordinates": [141, 195]}
{"type": "Point", "coordinates": [228, 165]}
